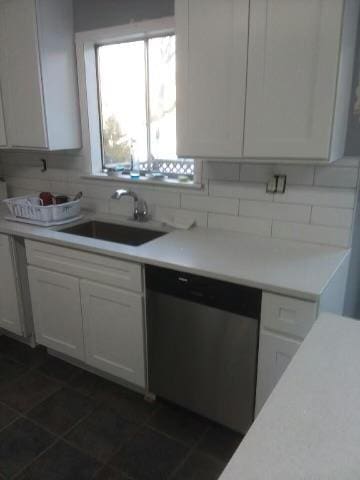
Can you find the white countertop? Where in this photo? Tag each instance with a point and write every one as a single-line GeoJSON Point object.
{"type": "Point", "coordinates": [281, 266]}
{"type": "Point", "coordinates": [309, 429]}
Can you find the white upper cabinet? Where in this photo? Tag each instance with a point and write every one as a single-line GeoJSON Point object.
{"type": "Point", "coordinates": [299, 78]}
{"type": "Point", "coordinates": [38, 74]}
{"type": "Point", "coordinates": [264, 79]}
{"type": "Point", "coordinates": [211, 48]}
{"type": "Point", "coordinates": [3, 141]}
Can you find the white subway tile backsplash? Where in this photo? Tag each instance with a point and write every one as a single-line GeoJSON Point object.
{"type": "Point", "coordinates": [163, 214]}
{"type": "Point", "coordinates": [336, 177]}
{"type": "Point", "coordinates": [221, 171]}
{"type": "Point", "coordinates": [160, 197]}
{"type": "Point", "coordinates": [97, 190]}
{"type": "Point", "coordinates": [247, 191]}
{"type": "Point", "coordinates": [255, 226]}
{"type": "Point", "coordinates": [256, 173]}
{"type": "Point", "coordinates": [68, 188]}
{"type": "Point", "coordinates": [317, 207]}
{"type": "Point", "coordinates": [210, 204]}
{"type": "Point", "coordinates": [332, 217]}
{"type": "Point", "coordinates": [296, 174]}
{"type": "Point", "coordinates": [31, 184]}
{"type": "Point", "coordinates": [123, 207]}
{"type": "Point", "coordinates": [347, 162]}
{"type": "Point", "coordinates": [95, 205]}
{"type": "Point", "coordinates": [329, 197]}
{"type": "Point", "coordinates": [312, 233]}
{"type": "Point", "coordinates": [277, 211]}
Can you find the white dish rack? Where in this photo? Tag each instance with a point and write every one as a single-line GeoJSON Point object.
{"type": "Point", "coordinates": [30, 210]}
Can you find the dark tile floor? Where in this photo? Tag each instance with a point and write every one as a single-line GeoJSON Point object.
{"type": "Point", "coordinates": [58, 422]}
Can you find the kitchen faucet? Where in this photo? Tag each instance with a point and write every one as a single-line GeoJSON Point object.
{"type": "Point", "coordinates": [141, 211]}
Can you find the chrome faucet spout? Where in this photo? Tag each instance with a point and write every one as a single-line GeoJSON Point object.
{"type": "Point", "coordinates": [122, 193]}
{"type": "Point", "coordinates": [141, 211]}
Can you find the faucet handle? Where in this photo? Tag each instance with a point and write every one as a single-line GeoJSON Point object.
{"type": "Point", "coordinates": [141, 211]}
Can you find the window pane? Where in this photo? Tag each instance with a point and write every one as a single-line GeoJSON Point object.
{"type": "Point", "coordinates": [121, 70]}
{"type": "Point", "coordinates": [162, 93]}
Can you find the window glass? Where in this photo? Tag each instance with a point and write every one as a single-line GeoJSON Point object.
{"type": "Point", "coordinates": [121, 72]}
{"type": "Point", "coordinates": [137, 100]}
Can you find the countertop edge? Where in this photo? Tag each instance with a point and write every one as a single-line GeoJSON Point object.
{"type": "Point", "coordinates": [44, 235]}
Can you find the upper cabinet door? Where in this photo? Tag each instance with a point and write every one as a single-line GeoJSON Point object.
{"type": "Point", "coordinates": [293, 75]}
{"type": "Point", "coordinates": [22, 86]}
{"type": "Point", "coordinates": [212, 39]}
{"type": "Point", "coordinates": [38, 74]}
{"type": "Point", "coordinates": [3, 141]}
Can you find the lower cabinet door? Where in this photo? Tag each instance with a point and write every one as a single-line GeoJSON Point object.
{"type": "Point", "coordinates": [57, 313]}
{"type": "Point", "coordinates": [10, 313]}
{"type": "Point", "coordinates": [275, 354]}
{"type": "Point", "coordinates": [114, 331]}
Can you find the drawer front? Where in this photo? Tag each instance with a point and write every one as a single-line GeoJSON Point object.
{"type": "Point", "coordinates": [275, 354]}
{"type": "Point", "coordinates": [89, 266]}
{"type": "Point", "coordinates": [287, 315]}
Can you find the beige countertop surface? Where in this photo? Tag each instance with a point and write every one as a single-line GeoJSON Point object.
{"type": "Point", "coordinates": [309, 429]}
{"type": "Point", "coordinates": [280, 266]}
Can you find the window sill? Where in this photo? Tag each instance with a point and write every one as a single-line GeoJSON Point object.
{"type": "Point", "coordinates": [167, 183]}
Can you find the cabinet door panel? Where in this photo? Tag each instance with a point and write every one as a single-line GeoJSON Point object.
{"type": "Point", "coordinates": [57, 311]}
{"type": "Point", "coordinates": [22, 86]}
{"type": "Point", "coordinates": [3, 141]}
{"type": "Point", "coordinates": [114, 331]}
{"type": "Point", "coordinates": [211, 39]}
{"type": "Point", "coordinates": [275, 354]}
{"type": "Point", "coordinates": [10, 317]}
{"type": "Point", "coordinates": [292, 77]}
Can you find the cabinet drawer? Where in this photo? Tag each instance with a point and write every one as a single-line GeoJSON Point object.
{"type": "Point", "coordinates": [287, 315]}
{"type": "Point", "coordinates": [89, 266]}
{"type": "Point", "coordinates": [275, 354]}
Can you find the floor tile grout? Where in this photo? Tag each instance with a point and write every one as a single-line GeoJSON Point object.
{"type": "Point", "coordinates": [93, 395]}
{"type": "Point", "coordinates": [20, 472]}
{"type": "Point", "coordinates": [188, 455]}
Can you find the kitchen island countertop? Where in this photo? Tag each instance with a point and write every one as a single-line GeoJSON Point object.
{"type": "Point", "coordinates": [309, 429]}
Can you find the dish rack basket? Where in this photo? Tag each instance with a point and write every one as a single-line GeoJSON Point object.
{"type": "Point", "coordinates": [31, 210]}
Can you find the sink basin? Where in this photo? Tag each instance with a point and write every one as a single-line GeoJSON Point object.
{"type": "Point", "coordinates": [113, 232]}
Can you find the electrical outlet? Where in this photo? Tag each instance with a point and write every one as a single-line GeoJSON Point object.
{"type": "Point", "coordinates": [281, 184]}
{"type": "Point", "coordinates": [271, 185]}
{"type": "Point", "coordinates": [276, 184]}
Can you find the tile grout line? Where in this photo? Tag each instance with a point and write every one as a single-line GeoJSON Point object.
{"type": "Point", "coordinates": [58, 438]}
{"type": "Point", "coordinates": [128, 440]}
{"type": "Point", "coordinates": [189, 453]}
{"type": "Point", "coordinates": [20, 472]}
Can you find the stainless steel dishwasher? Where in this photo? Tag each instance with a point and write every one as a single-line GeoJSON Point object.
{"type": "Point", "coordinates": [203, 344]}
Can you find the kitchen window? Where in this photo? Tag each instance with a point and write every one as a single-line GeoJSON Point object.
{"type": "Point", "coordinates": [129, 79]}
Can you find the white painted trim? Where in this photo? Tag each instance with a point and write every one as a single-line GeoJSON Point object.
{"type": "Point", "coordinates": [146, 181]}
{"type": "Point", "coordinates": [86, 62]}
{"type": "Point", "coordinates": [131, 31]}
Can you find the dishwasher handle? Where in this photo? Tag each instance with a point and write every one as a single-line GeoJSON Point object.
{"type": "Point", "coordinates": [226, 296]}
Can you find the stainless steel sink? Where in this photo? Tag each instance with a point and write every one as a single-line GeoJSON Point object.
{"type": "Point", "coordinates": [113, 232]}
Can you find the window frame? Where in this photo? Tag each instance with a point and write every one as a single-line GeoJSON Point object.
{"type": "Point", "coordinates": [86, 52]}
